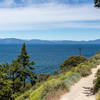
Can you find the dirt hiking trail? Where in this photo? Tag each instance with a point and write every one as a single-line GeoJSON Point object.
{"type": "Point", "coordinates": [83, 90]}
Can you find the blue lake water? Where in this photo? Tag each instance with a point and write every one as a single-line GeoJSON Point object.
{"type": "Point", "coordinates": [47, 57]}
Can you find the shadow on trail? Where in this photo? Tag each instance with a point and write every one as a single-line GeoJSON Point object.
{"type": "Point", "coordinates": [88, 91]}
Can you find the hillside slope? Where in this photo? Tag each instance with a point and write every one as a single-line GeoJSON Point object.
{"type": "Point", "coordinates": [51, 88]}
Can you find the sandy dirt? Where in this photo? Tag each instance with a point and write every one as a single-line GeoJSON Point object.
{"type": "Point", "coordinates": [83, 90]}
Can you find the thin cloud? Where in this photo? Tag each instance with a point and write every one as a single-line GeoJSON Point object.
{"type": "Point", "coordinates": [47, 16]}
{"type": "Point", "coordinates": [20, 3]}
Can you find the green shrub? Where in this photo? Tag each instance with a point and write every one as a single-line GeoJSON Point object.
{"type": "Point", "coordinates": [97, 85]}
{"type": "Point", "coordinates": [5, 87]}
{"type": "Point", "coordinates": [83, 69]}
{"type": "Point", "coordinates": [28, 92]}
{"type": "Point", "coordinates": [72, 61]}
{"type": "Point", "coordinates": [61, 83]}
{"type": "Point", "coordinates": [35, 95]}
{"type": "Point", "coordinates": [72, 79]}
{"type": "Point", "coordinates": [52, 87]}
{"type": "Point", "coordinates": [65, 76]}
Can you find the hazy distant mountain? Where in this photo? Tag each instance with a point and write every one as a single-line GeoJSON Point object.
{"type": "Point", "coordinates": [11, 41]}
{"type": "Point", "coordinates": [36, 41]}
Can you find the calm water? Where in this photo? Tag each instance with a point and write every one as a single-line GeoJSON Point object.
{"type": "Point", "coordinates": [47, 57]}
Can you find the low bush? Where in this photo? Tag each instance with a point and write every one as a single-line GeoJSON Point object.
{"type": "Point", "coordinates": [63, 82]}
{"type": "Point", "coordinates": [97, 82]}
{"type": "Point", "coordinates": [72, 79]}
{"type": "Point", "coordinates": [65, 75]}
{"type": "Point", "coordinates": [35, 95]}
{"type": "Point", "coordinates": [97, 85]}
{"type": "Point", "coordinates": [52, 88]}
{"type": "Point", "coordinates": [71, 62]}
{"type": "Point", "coordinates": [83, 69]}
{"type": "Point", "coordinates": [28, 92]}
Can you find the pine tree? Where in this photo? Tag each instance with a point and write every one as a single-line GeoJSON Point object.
{"type": "Point", "coordinates": [26, 65]}
{"type": "Point", "coordinates": [14, 76]}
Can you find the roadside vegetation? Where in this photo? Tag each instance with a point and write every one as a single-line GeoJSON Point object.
{"type": "Point", "coordinates": [96, 60]}
{"type": "Point", "coordinates": [71, 71]}
{"type": "Point", "coordinates": [97, 85]}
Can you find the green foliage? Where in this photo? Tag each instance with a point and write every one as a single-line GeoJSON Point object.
{"type": "Point", "coordinates": [36, 94]}
{"type": "Point", "coordinates": [83, 69]}
{"type": "Point", "coordinates": [49, 87]}
{"type": "Point", "coordinates": [26, 66]}
{"type": "Point", "coordinates": [72, 79]}
{"type": "Point", "coordinates": [66, 75]}
{"type": "Point", "coordinates": [71, 62]}
{"type": "Point", "coordinates": [97, 3]}
{"type": "Point", "coordinates": [13, 76]}
{"type": "Point", "coordinates": [97, 85]}
{"type": "Point", "coordinates": [54, 84]}
{"type": "Point", "coordinates": [52, 87]}
{"type": "Point", "coordinates": [28, 92]}
{"type": "Point", "coordinates": [5, 85]}
{"type": "Point", "coordinates": [97, 82]}
{"type": "Point", "coordinates": [95, 58]}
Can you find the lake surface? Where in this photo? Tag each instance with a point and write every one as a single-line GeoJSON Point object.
{"type": "Point", "coordinates": [47, 57]}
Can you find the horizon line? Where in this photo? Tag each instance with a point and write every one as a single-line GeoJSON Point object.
{"type": "Point", "coordinates": [49, 40]}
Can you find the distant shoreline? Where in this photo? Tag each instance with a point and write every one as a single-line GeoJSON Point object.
{"type": "Point", "coordinates": [37, 41]}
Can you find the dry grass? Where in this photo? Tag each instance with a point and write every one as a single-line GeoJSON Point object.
{"type": "Point", "coordinates": [56, 95]}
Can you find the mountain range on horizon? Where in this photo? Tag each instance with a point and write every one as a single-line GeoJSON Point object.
{"type": "Point", "coordinates": [37, 41]}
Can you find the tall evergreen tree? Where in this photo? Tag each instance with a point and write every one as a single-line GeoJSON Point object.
{"type": "Point", "coordinates": [15, 76]}
{"type": "Point", "coordinates": [26, 65]}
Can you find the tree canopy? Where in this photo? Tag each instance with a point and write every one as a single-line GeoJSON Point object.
{"type": "Point", "coordinates": [72, 62]}
{"type": "Point", "coordinates": [25, 64]}
{"type": "Point", "coordinates": [97, 3]}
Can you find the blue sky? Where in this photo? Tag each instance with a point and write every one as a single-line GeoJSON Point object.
{"type": "Point", "coordinates": [49, 19]}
